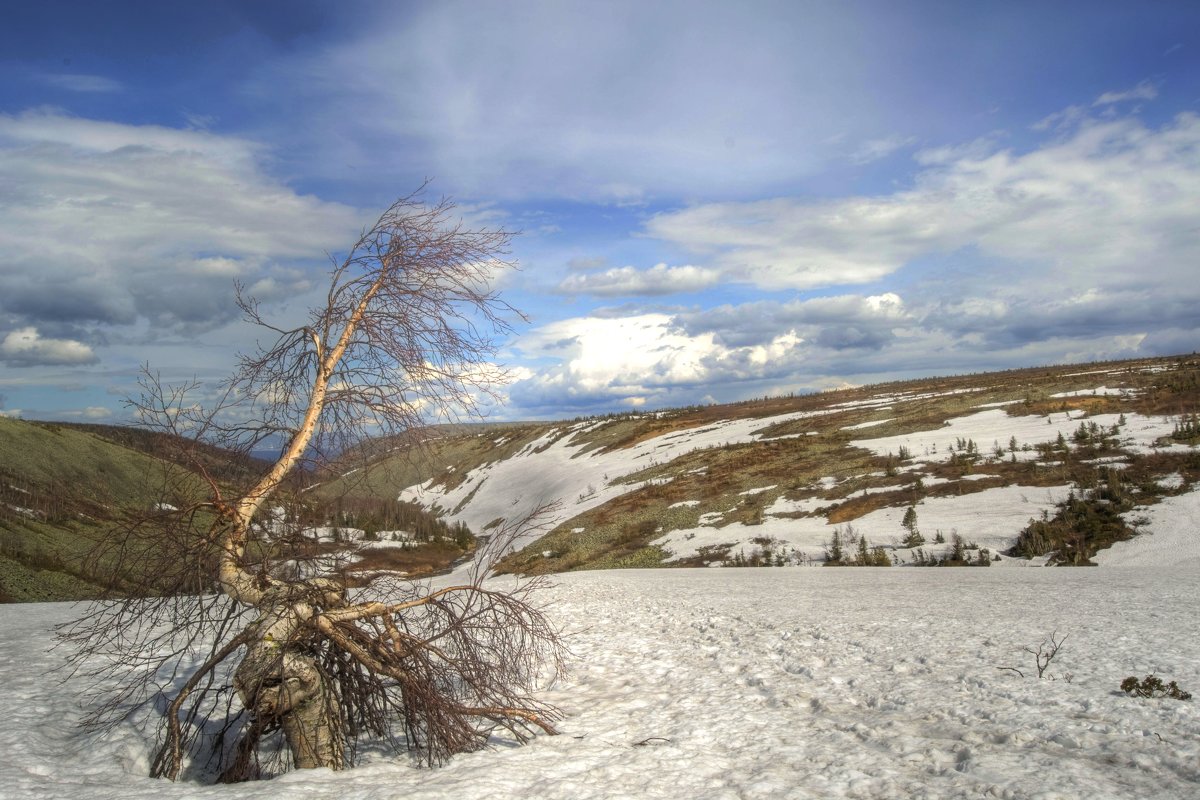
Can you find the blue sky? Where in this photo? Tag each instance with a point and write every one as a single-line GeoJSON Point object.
{"type": "Point", "coordinates": [717, 201]}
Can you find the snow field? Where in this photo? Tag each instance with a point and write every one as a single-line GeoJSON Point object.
{"type": "Point", "coordinates": [551, 470]}
{"type": "Point", "coordinates": [1171, 534]}
{"type": "Point", "coordinates": [991, 519]}
{"type": "Point", "coordinates": [714, 684]}
{"type": "Point", "coordinates": [994, 425]}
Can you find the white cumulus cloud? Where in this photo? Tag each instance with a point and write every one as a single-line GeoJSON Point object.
{"type": "Point", "coordinates": [25, 347]}
{"type": "Point", "coordinates": [632, 282]}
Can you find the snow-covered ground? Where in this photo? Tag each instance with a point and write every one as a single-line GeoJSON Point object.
{"type": "Point", "coordinates": [553, 469]}
{"type": "Point", "coordinates": [1169, 534]}
{"type": "Point", "coordinates": [757, 683]}
{"type": "Point", "coordinates": [559, 469]}
{"type": "Point", "coordinates": [995, 427]}
{"type": "Point", "coordinates": [991, 519]}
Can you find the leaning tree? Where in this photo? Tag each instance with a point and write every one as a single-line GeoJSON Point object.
{"type": "Point", "coordinates": [245, 661]}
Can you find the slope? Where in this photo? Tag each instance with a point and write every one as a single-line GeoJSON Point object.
{"type": "Point", "coordinates": [770, 481]}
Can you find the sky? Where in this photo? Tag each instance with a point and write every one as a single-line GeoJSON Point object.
{"type": "Point", "coordinates": [715, 201]}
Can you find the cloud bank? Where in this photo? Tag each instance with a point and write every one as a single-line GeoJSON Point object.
{"type": "Point", "coordinates": [1081, 248]}
{"type": "Point", "coordinates": [1095, 208]}
{"type": "Point", "coordinates": [105, 224]}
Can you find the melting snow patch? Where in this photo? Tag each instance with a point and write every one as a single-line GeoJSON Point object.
{"type": "Point", "coordinates": [1116, 462]}
{"type": "Point", "coordinates": [1099, 391]}
{"type": "Point", "coordinates": [1168, 535]}
{"type": "Point", "coordinates": [991, 518]}
{"type": "Point", "coordinates": [548, 470]}
{"type": "Point", "coordinates": [1172, 481]}
{"type": "Point", "coordinates": [806, 506]}
{"type": "Point", "coordinates": [1140, 433]}
{"type": "Point", "coordinates": [753, 683]}
{"type": "Point", "coordinates": [791, 436]}
{"type": "Point", "coordinates": [870, 424]}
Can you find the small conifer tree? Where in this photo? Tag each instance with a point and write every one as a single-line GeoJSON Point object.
{"type": "Point", "coordinates": [833, 553]}
{"type": "Point", "coordinates": [914, 537]}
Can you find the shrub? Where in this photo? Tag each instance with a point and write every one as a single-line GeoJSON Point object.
{"type": "Point", "coordinates": [1083, 524]}
{"type": "Point", "coordinates": [1152, 686]}
{"type": "Point", "coordinates": [1045, 653]}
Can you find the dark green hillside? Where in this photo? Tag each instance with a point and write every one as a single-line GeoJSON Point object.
{"type": "Point", "coordinates": [65, 487]}
{"type": "Point", "coordinates": [223, 465]}
{"type": "Point", "coordinates": [60, 487]}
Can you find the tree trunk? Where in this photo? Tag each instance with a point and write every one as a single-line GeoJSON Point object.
{"type": "Point", "coordinates": [278, 681]}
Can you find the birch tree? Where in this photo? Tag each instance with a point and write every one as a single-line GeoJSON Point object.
{"type": "Point", "coordinates": [242, 660]}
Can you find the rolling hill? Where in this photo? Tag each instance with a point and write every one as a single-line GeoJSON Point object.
{"type": "Point", "coordinates": [1046, 465]}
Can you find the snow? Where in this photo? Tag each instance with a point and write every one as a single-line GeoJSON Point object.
{"type": "Point", "coordinates": [991, 519]}
{"type": "Point", "coordinates": [870, 424]}
{"type": "Point", "coordinates": [1138, 434]}
{"type": "Point", "coordinates": [1169, 535]}
{"type": "Point", "coordinates": [1099, 391]}
{"type": "Point", "coordinates": [1172, 481]}
{"type": "Point", "coordinates": [551, 469]}
{"type": "Point", "coordinates": [333, 533]}
{"type": "Point", "coordinates": [24, 512]}
{"type": "Point", "coordinates": [755, 683]}
{"type": "Point", "coordinates": [882, 401]}
{"type": "Point", "coordinates": [766, 683]}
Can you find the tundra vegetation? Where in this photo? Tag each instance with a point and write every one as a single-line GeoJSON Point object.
{"type": "Point", "coordinates": [61, 484]}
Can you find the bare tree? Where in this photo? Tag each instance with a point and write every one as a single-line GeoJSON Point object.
{"type": "Point", "coordinates": [242, 659]}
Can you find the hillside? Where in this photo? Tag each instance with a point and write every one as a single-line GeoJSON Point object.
{"type": "Point", "coordinates": [65, 489]}
{"type": "Point", "coordinates": [1050, 465]}
{"type": "Point", "coordinates": [63, 486]}
{"type": "Point", "coordinates": [60, 486]}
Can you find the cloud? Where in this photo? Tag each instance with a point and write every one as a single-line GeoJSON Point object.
{"type": "Point", "coordinates": [1094, 207]}
{"type": "Point", "coordinates": [947, 324]}
{"type": "Point", "coordinates": [617, 355]}
{"type": "Point", "coordinates": [662, 359]}
{"type": "Point", "coordinates": [1143, 91]}
{"type": "Point", "coordinates": [618, 102]}
{"type": "Point", "coordinates": [88, 84]}
{"type": "Point", "coordinates": [794, 244]}
{"type": "Point", "coordinates": [91, 412]}
{"type": "Point", "coordinates": [25, 347]}
{"type": "Point", "coordinates": [1069, 117]}
{"type": "Point", "coordinates": [875, 149]}
{"type": "Point", "coordinates": [109, 224]}
{"type": "Point", "coordinates": [840, 322]}
{"type": "Point", "coordinates": [632, 282]}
